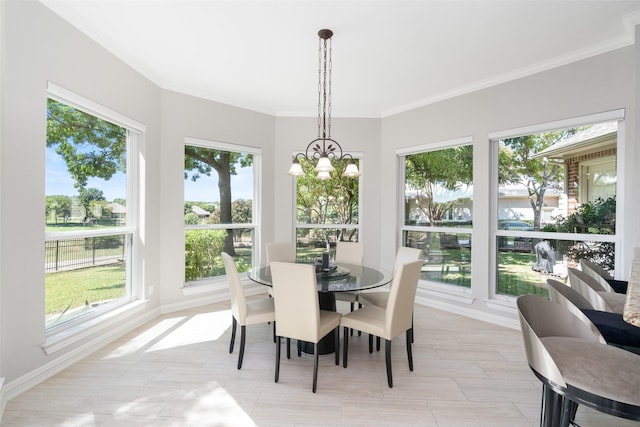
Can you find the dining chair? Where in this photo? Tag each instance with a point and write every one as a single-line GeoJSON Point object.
{"type": "Point", "coordinates": [597, 273]}
{"type": "Point", "coordinates": [603, 277]}
{"type": "Point", "coordinates": [388, 322]}
{"type": "Point", "coordinates": [575, 365]}
{"type": "Point", "coordinates": [379, 298]}
{"type": "Point", "coordinates": [281, 251]}
{"type": "Point", "coordinates": [349, 253]}
{"type": "Point", "coordinates": [590, 289]}
{"type": "Point", "coordinates": [611, 326]}
{"type": "Point", "coordinates": [244, 312]}
{"type": "Point", "coordinates": [298, 314]}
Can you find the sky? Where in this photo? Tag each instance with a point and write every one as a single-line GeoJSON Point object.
{"type": "Point", "coordinates": [205, 189]}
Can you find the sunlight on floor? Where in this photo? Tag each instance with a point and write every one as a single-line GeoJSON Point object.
{"type": "Point", "coordinates": [177, 331]}
{"type": "Point", "coordinates": [197, 329]}
{"type": "Point", "coordinates": [218, 404]}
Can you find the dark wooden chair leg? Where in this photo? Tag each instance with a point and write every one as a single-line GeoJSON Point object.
{"type": "Point", "coordinates": [315, 366]}
{"type": "Point", "coordinates": [352, 307]}
{"type": "Point", "coordinates": [299, 348]}
{"type": "Point", "coordinates": [346, 347]}
{"type": "Point", "coordinates": [288, 348]}
{"type": "Point", "coordinates": [274, 331]}
{"type": "Point", "coordinates": [243, 334]}
{"type": "Point", "coordinates": [277, 360]}
{"type": "Point", "coordinates": [387, 354]}
{"type": "Point", "coordinates": [377, 343]}
{"type": "Point", "coordinates": [409, 354]}
{"type": "Point", "coordinates": [233, 333]}
{"type": "Point", "coordinates": [337, 344]}
{"type": "Point", "coordinates": [370, 343]}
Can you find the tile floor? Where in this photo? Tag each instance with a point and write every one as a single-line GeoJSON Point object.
{"type": "Point", "coordinates": [177, 371]}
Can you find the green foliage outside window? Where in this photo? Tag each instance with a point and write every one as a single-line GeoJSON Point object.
{"type": "Point", "coordinates": [202, 253]}
{"type": "Point", "coordinates": [596, 217]}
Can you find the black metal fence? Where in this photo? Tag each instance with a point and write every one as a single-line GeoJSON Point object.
{"type": "Point", "coordinates": [70, 254]}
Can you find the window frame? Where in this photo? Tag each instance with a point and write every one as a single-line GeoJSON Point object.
{"type": "Point", "coordinates": [458, 293]}
{"type": "Point", "coordinates": [358, 226]}
{"type": "Point", "coordinates": [131, 231]}
{"type": "Point", "coordinates": [255, 206]}
{"type": "Point", "coordinates": [494, 139]}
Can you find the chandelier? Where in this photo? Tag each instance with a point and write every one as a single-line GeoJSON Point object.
{"type": "Point", "coordinates": [323, 149]}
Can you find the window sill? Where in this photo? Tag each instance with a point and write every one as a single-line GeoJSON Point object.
{"type": "Point", "coordinates": [220, 286]}
{"type": "Point", "coordinates": [98, 328]}
{"type": "Point", "coordinates": [446, 292]}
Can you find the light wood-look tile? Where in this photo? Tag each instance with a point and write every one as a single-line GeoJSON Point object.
{"type": "Point", "coordinates": [177, 371]}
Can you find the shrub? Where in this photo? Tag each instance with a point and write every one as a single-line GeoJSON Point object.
{"type": "Point", "coordinates": [202, 248]}
{"type": "Point", "coordinates": [595, 217]}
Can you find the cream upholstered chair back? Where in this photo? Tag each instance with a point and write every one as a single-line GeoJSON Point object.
{"type": "Point", "coordinates": [405, 255]}
{"type": "Point", "coordinates": [281, 251]}
{"type": "Point", "coordinates": [571, 300]}
{"type": "Point", "coordinates": [399, 310]}
{"type": "Point", "coordinates": [540, 318]}
{"type": "Point", "coordinates": [350, 253]}
{"type": "Point", "coordinates": [598, 274]}
{"type": "Point", "coordinates": [238, 301]}
{"type": "Point", "coordinates": [588, 288]}
{"type": "Point", "coordinates": [295, 295]}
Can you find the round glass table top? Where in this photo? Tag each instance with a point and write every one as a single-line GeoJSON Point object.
{"type": "Point", "coordinates": [344, 278]}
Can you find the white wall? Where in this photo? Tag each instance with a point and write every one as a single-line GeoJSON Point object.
{"type": "Point", "coordinates": [186, 116]}
{"type": "Point", "coordinates": [39, 46]}
{"type": "Point", "coordinates": [602, 83]}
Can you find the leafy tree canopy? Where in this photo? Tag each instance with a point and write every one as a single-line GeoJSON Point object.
{"type": "Point", "coordinates": [90, 146]}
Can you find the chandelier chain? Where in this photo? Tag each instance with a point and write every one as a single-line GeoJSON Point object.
{"type": "Point", "coordinates": [323, 149]}
{"type": "Point", "coordinates": [319, 88]}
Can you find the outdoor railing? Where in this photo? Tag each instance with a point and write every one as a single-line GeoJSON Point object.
{"type": "Point", "coordinates": [70, 254]}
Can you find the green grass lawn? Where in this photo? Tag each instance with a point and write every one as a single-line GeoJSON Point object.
{"type": "Point", "coordinates": [68, 290]}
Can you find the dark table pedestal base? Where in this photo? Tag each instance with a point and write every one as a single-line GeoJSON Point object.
{"type": "Point", "coordinates": [326, 345]}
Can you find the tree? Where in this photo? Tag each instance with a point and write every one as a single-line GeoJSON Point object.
{"type": "Point", "coordinates": [87, 196]}
{"type": "Point", "coordinates": [202, 161]}
{"type": "Point", "coordinates": [519, 165]}
{"type": "Point", "coordinates": [241, 212]}
{"type": "Point", "coordinates": [90, 146]}
{"type": "Point", "coordinates": [58, 206]}
{"type": "Point", "coordinates": [333, 200]}
{"type": "Point", "coordinates": [429, 172]}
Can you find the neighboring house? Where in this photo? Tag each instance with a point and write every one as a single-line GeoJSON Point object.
{"type": "Point", "coordinates": [589, 158]}
{"type": "Point", "coordinates": [513, 203]}
{"type": "Point", "coordinates": [200, 212]}
{"type": "Point", "coordinates": [117, 210]}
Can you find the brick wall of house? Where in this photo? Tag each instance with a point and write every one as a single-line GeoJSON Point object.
{"type": "Point", "coordinates": [573, 174]}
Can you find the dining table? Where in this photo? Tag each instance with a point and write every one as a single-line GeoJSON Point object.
{"type": "Point", "coordinates": [337, 277]}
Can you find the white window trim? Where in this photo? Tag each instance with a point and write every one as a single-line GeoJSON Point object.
{"type": "Point", "coordinates": [61, 336]}
{"type": "Point", "coordinates": [196, 287]}
{"type": "Point", "coordinates": [443, 290]}
{"type": "Point", "coordinates": [359, 155]}
{"type": "Point", "coordinates": [494, 138]}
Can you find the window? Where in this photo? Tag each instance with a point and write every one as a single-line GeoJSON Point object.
{"type": "Point", "coordinates": [556, 202]}
{"type": "Point", "coordinates": [327, 211]}
{"type": "Point", "coordinates": [90, 218]}
{"type": "Point", "coordinates": [437, 209]}
{"type": "Point", "coordinates": [219, 208]}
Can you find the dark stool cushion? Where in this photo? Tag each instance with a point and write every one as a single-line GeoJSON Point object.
{"type": "Point", "coordinates": [620, 286]}
{"type": "Point", "coordinates": [614, 329]}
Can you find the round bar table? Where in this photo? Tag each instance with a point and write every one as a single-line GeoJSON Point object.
{"type": "Point", "coordinates": [342, 278]}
